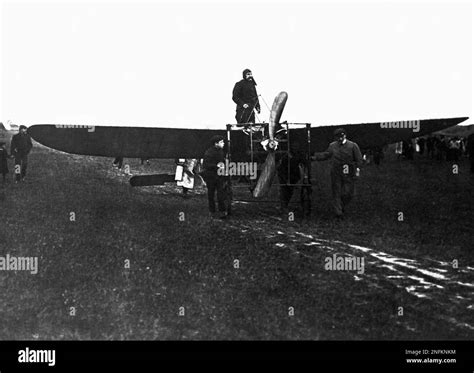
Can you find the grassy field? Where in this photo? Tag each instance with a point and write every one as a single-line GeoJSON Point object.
{"type": "Point", "coordinates": [280, 290]}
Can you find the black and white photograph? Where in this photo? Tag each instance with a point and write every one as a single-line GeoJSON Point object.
{"type": "Point", "coordinates": [237, 171]}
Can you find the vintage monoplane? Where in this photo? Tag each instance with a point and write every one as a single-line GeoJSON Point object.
{"type": "Point", "coordinates": [246, 142]}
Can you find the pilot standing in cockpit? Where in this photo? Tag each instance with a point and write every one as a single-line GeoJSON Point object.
{"type": "Point", "coordinates": [246, 98]}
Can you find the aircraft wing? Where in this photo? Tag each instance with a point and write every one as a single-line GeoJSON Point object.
{"type": "Point", "coordinates": [128, 142]}
{"type": "Point", "coordinates": [369, 135]}
{"type": "Point", "coordinates": [144, 142]}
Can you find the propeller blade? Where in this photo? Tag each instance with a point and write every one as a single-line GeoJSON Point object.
{"type": "Point", "coordinates": [275, 113]}
{"type": "Point", "coordinates": [266, 178]}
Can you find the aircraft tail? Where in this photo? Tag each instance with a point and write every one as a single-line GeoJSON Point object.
{"type": "Point", "coordinates": [4, 132]}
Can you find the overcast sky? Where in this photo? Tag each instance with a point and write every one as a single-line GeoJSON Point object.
{"type": "Point", "coordinates": [175, 64]}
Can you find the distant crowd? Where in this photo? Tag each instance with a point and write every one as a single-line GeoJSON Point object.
{"type": "Point", "coordinates": [436, 147]}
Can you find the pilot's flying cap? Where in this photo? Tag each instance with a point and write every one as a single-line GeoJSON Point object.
{"type": "Point", "coordinates": [22, 127]}
{"type": "Point", "coordinates": [244, 73]}
{"type": "Point", "coordinates": [339, 132]}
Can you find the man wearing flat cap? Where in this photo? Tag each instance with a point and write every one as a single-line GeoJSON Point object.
{"type": "Point", "coordinates": [245, 96]}
{"type": "Point", "coordinates": [346, 160]}
{"type": "Point", "coordinates": [213, 160]}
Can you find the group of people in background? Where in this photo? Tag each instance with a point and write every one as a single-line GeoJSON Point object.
{"type": "Point", "coordinates": [439, 147]}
